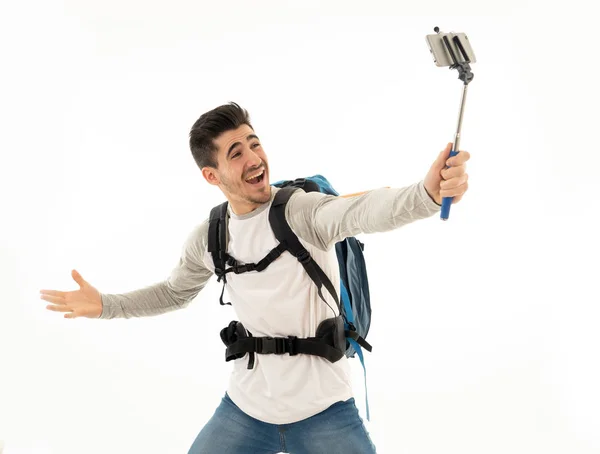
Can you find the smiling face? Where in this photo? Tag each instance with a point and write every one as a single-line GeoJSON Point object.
{"type": "Point", "coordinates": [242, 171]}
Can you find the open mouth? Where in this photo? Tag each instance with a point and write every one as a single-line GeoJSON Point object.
{"type": "Point", "coordinates": [256, 178]}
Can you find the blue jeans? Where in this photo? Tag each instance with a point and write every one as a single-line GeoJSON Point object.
{"type": "Point", "coordinates": [337, 430]}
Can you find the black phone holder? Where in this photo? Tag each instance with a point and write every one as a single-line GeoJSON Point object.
{"type": "Point", "coordinates": [463, 67]}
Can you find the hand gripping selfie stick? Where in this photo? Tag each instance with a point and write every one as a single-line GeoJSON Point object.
{"type": "Point", "coordinates": [464, 74]}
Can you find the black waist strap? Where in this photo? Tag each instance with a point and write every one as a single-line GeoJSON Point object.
{"type": "Point", "coordinates": [280, 345]}
{"type": "Point", "coordinates": [329, 342]}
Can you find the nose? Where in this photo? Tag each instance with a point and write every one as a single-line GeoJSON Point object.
{"type": "Point", "coordinates": [254, 160]}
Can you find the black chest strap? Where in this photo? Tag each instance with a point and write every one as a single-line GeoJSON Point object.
{"type": "Point", "coordinates": [217, 247]}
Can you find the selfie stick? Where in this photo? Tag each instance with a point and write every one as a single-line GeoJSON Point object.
{"type": "Point", "coordinates": [464, 74]}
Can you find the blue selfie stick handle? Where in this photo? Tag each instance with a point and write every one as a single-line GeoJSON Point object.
{"type": "Point", "coordinates": [447, 201]}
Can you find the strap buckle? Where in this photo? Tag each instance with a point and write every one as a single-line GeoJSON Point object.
{"type": "Point", "coordinates": [292, 344]}
{"type": "Point", "coordinates": [274, 345]}
{"type": "Point", "coordinates": [244, 268]}
{"type": "Point", "coordinates": [221, 275]}
{"type": "Point", "coordinates": [303, 256]}
{"type": "Point", "coordinates": [277, 345]}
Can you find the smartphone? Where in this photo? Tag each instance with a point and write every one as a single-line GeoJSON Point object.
{"type": "Point", "coordinates": [440, 53]}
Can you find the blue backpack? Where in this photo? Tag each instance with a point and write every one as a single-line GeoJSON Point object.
{"type": "Point", "coordinates": [345, 333]}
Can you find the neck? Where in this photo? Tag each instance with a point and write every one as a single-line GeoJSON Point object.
{"type": "Point", "coordinates": [241, 207]}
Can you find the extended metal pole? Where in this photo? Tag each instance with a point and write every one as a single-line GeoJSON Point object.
{"type": "Point", "coordinates": [447, 201]}
{"type": "Point", "coordinates": [460, 118]}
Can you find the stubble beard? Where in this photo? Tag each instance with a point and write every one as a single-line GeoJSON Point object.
{"type": "Point", "coordinates": [240, 193]}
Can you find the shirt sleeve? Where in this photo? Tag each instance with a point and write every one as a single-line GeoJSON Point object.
{"type": "Point", "coordinates": [323, 220]}
{"type": "Point", "coordinates": [187, 278]}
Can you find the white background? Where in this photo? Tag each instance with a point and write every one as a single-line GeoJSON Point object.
{"type": "Point", "coordinates": [485, 328]}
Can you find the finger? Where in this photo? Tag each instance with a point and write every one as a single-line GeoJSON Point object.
{"type": "Point", "coordinates": [454, 182]}
{"type": "Point", "coordinates": [71, 315]}
{"type": "Point", "coordinates": [440, 161]}
{"type": "Point", "coordinates": [446, 152]}
{"type": "Point", "coordinates": [459, 159]}
{"type": "Point", "coordinates": [453, 172]}
{"type": "Point", "coordinates": [53, 293]}
{"type": "Point", "coordinates": [53, 299]}
{"type": "Point", "coordinates": [77, 277]}
{"type": "Point", "coordinates": [456, 199]}
{"type": "Point", "coordinates": [59, 308]}
{"type": "Point", "coordinates": [454, 192]}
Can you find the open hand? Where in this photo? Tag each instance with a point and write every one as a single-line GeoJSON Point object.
{"type": "Point", "coordinates": [85, 302]}
{"type": "Point", "coordinates": [441, 182]}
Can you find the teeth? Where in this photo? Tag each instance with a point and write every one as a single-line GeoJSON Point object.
{"type": "Point", "coordinates": [254, 176]}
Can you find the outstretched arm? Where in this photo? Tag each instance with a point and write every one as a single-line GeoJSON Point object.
{"type": "Point", "coordinates": [183, 285]}
{"type": "Point", "coordinates": [323, 220]}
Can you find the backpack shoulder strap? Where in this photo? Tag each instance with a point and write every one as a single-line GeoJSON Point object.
{"type": "Point", "coordinates": [286, 235]}
{"type": "Point", "coordinates": [217, 242]}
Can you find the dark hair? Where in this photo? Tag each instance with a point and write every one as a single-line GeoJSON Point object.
{"type": "Point", "coordinates": [210, 126]}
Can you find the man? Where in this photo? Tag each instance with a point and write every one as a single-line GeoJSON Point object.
{"type": "Point", "coordinates": [301, 403]}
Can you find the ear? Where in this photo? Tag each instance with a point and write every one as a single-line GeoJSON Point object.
{"type": "Point", "coordinates": [211, 176]}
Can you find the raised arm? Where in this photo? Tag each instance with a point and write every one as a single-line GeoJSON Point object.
{"type": "Point", "coordinates": [323, 220]}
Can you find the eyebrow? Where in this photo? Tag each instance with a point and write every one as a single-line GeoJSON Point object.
{"type": "Point", "coordinates": [248, 138]}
